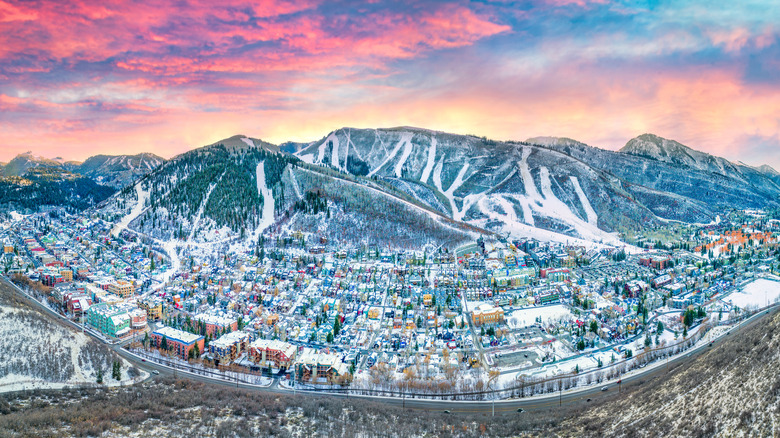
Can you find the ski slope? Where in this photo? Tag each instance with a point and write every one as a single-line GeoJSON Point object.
{"type": "Point", "coordinates": [590, 213]}
{"type": "Point", "coordinates": [431, 161]}
{"type": "Point", "coordinates": [136, 211]}
{"type": "Point", "coordinates": [405, 138]}
{"type": "Point", "coordinates": [268, 200]}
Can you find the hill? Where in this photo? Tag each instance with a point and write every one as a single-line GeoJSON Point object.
{"type": "Point", "coordinates": [118, 170]}
{"type": "Point", "coordinates": [731, 390]}
{"type": "Point", "coordinates": [238, 188]}
{"type": "Point", "coordinates": [37, 351]}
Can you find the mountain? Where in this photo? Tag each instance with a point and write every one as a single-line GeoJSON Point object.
{"type": "Point", "coordinates": [409, 186]}
{"type": "Point", "coordinates": [43, 187]}
{"type": "Point", "coordinates": [22, 162]}
{"type": "Point", "coordinates": [117, 170]}
{"type": "Point", "coordinates": [239, 187]}
{"type": "Point", "coordinates": [112, 170]}
{"type": "Point", "coordinates": [671, 152]}
{"type": "Point", "coordinates": [674, 181]}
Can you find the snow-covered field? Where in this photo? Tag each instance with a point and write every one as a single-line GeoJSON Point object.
{"type": "Point", "coordinates": [758, 293]}
{"type": "Point", "coordinates": [528, 316]}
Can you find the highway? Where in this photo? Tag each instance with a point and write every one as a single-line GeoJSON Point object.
{"type": "Point", "coordinates": [556, 400]}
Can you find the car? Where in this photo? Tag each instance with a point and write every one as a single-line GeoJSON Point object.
{"type": "Point", "coordinates": [604, 388]}
{"type": "Point", "coordinates": [143, 360]}
{"type": "Point", "coordinates": [446, 411]}
{"type": "Point", "coordinates": [520, 410]}
{"type": "Point", "coordinates": [588, 400]}
{"type": "Point", "coordinates": [155, 372]}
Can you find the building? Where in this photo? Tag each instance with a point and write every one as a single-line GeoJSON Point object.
{"type": "Point", "coordinates": [272, 353]}
{"type": "Point", "coordinates": [547, 297]}
{"type": "Point", "coordinates": [312, 365]}
{"type": "Point", "coordinates": [487, 314]}
{"type": "Point", "coordinates": [658, 262]}
{"type": "Point", "coordinates": [217, 324]}
{"type": "Point", "coordinates": [555, 275]}
{"type": "Point", "coordinates": [121, 288]}
{"type": "Point", "coordinates": [153, 307]}
{"type": "Point", "coordinates": [110, 320]}
{"type": "Point", "coordinates": [229, 346]}
{"type": "Point", "coordinates": [177, 341]}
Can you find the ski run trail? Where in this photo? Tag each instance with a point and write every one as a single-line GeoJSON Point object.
{"type": "Point", "coordinates": [143, 195]}
{"type": "Point", "coordinates": [268, 200]}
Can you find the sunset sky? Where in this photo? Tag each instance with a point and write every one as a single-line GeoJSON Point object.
{"type": "Point", "coordinates": [78, 78]}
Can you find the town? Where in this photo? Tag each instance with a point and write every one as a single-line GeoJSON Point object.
{"type": "Point", "coordinates": [478, 317]}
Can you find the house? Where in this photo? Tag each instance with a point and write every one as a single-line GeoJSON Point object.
{"type": "Point", "coordinates": [312, 365]}
{"type": "Point", "coordinates": [487, 314]}
{"type": "Point", "coordinates": [177, 341]}
{"type": "Point", "coordinates": [153, 307]}
{"type": "Point", "coordinates": [272, 353]}
{"type": "Point", "coordinates": [229, 346]}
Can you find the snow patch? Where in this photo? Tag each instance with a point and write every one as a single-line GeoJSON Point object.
{"type": "Point", "coordinates": [590, 213]}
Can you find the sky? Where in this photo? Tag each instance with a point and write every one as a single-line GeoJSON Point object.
{"type": "Point", "coordinates": [78, 78]}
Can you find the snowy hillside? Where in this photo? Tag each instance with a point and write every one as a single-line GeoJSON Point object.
{"type": "Point", "coordinates": [118, 170]}
{"type": "Point", "coordinates": [37, 351]}
{"type": "Point", "coordinates": [505, 187]}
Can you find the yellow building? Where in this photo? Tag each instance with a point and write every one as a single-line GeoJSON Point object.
{"type": "Point", "coordinates": [122, 288]}
{"type": "Point", "coordinates": [67, 274]}
{"type": "Point", "coordinates": [427, 299]}
{"type": "Point", "coordinates": [153, 308]}
{"type": "Point", "coordinates": [487, 314]}
{"type": "Point", "coordinates": [373, 313]}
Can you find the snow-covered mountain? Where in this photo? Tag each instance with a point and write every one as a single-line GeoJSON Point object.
{"type": "Point", "coordinates": [414, 186]}
{"type": "Point", "coordinates": [669, 151]}
{"type": "Point", "coordinates": [237, 188]}
{"type": "Point", "coordinates": [118, 170]}
{"type": "Point", "coordinates": [23, 162]}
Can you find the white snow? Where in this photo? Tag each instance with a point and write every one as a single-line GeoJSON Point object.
{"type": "Point", "coordinates": [526, 317]}
{"type": "Point", "coordinates": [248, 141]}
{"type": "Point", "coordinates": [16, 216]}
{"type": "Point", "coordinates": [202, 206]}
{"type": "Point", "coordinates": [468, 201]}
{"type": "Point", "coordinates": [294, 182]}
{"type": "Point", "coordinates": [268, 199]}
{"type": "Point", "coordinates": [399, 166]}
{"type": "Point", "coordinates": [334, 153]}
{"type": "Point", "coordinates": [134, 213]}
{"type": "Point", "coordinates": [431, 161]}
{"type": "Point", "coordinates": [590, 213]}
{"type": "Point", "coordinates": [405, 137]}
{"type": "Point", "coordinates": [758, 293]}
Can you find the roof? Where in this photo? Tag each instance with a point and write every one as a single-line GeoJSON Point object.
{"type": "Point", "coordinates": [229, 339]}
{"type": "Point", "coordinates": [177, 335]}
{"type": "Point", "coordinates": [266, 344]}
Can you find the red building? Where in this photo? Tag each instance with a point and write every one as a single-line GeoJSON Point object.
{"type": "Point", "coordinates": [177, 341]}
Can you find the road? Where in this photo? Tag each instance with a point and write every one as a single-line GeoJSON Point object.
{"type": "Point", "coordinates": [560, 400]}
